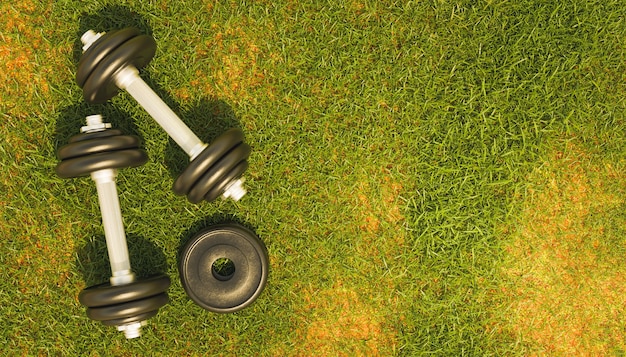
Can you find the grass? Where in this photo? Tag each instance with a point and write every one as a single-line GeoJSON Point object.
{"type": "Point", "coordinates": [562, 264]}
{"type": "Point", "coordinates": [432, 177]}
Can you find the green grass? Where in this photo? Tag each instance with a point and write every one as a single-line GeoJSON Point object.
{"type": "Point", "coordinates": [397, 148]}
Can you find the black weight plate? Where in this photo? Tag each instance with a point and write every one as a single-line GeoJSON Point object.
{"type": "Point", "coordinates": [96, 135]}
{"type": "Point", "coordinates": [127, 309]}
{"type": "Point", "coordinates": [100, 86]}
{"type": "Point", "coordinates": [198, 166]}
{"type": "Point", "coordinates": [234, 174]}
{"type": "Point", "coordinates": [127, 320]}
{"type": "Point", "coordinates": [249, 256]}
{"type": "Point", "coordinates": [94, 146]}
{"type": "Point", "coordinates": [107, 294]}
{"type": "Point", "coordinates": [217, 172]}
{"type": "Point", "coordinates": [99, 50]}
{"type": "Point", "coordinates": [81, 166]}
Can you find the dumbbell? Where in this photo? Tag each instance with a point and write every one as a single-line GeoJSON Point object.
{"type": "Point", "coordinates": [111, 62]}
{"type": "Point", "coordinates": [124, 301]}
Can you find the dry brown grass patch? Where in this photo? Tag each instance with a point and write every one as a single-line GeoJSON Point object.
{"type": "Point", "coordinates": [235, 52]}
{"type": "Point", "coordinates": [27, 59]}
{"type": "Point", "coordinates": [378, 215]}
{"type": "Point", "coordinates": [356, 315]}
{"type": "Point", "coordinates": [568, 292]}
{"type": "Point", "coordinates": [339, 322]}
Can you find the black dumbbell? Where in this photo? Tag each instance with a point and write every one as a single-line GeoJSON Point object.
{"type": "Point", "coordinates": [224, 268]}
{"type": "Point", "coordinates": [110, 62]}
{"type": "Point", "coordinates": [123, 302]}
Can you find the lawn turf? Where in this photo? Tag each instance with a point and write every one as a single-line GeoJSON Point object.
{"type": "Point", "coordinates": [397, 152]}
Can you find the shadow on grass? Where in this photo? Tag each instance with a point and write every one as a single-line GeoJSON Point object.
{"type": "Point", "coordinates": [146, 259]}
{"type": "Point", "coordinates": [209, 222]}
{"type": "Point", "coordinates": [108, 18]}
{"type": "Point", "coordinates": [72, 118]}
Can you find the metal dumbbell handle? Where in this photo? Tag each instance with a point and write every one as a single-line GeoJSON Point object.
{"type": "Point", "coordinates": [128, 79]}
{"type": "Point", "coordinates": [111, 214]}
{"type": "Point", "coordinates": [113, 226]}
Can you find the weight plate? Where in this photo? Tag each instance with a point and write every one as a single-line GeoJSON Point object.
{"type": "Point", "coordinates": [107, 294]}
{"type": "Point", "coordinates": [100, 50]}
{"type": "Point", "coordinates": [127, 309]}
{"type": "Point", "coordinates": [127, 320]}
{"type": "Point", "coordinates": [215, 175]}
{"type": "Point", "coordinates": [101, 86]}
{"type": "Point", "coordinates": [215, 292]}
{"type": "Point", "coordinates": [205, 160]}
{"type": "Point", "coordinates": [82, 166]}
{"type": "Point", "coordinates": [96, 135]}
{"type": "Point", "coordinates": [94, 146]}
{"type": "Point", "coordinates": [234, 174]}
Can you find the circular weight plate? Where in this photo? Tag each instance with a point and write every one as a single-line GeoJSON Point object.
{"type": "Point", "coordinates": [94, 146]}
{"type": "Point", "coordinates": [216, 174]}
{"type": "Point", "coordinates": [101, 86]}
{"type": "Point", "coordinates": [248, 256]}
{"type": "Point", "coordinates": [99, 50]}
{"type": "Point", "coordinates": [203, 162]}
{"type": "Point", "coordinates": [106, 294]}
{"type": "Point", "coordinates": [81, 166]}
{"type": "Point", "coordinates": [234, 174]}
{"type": "Point", "coordinates": [127, 309]}
{"type": "Point", "coordinates": [127, 320]}
{"type": "Point", "coordinates": [96, 135]}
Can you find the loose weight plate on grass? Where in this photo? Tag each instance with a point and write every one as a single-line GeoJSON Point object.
{"type": "Point", "coordinates": [224, 268]}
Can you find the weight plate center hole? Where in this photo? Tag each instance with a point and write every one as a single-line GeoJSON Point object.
{"type": "Point", "coordinates": [223, 269]}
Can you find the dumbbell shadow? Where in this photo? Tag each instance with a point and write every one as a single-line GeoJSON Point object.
{"type": "Point", "coordinates": [93, 263]}
{"type": "Point", "coordinates": [108, 18]}
{"type": "Point", "coordinates": [72, 118]}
